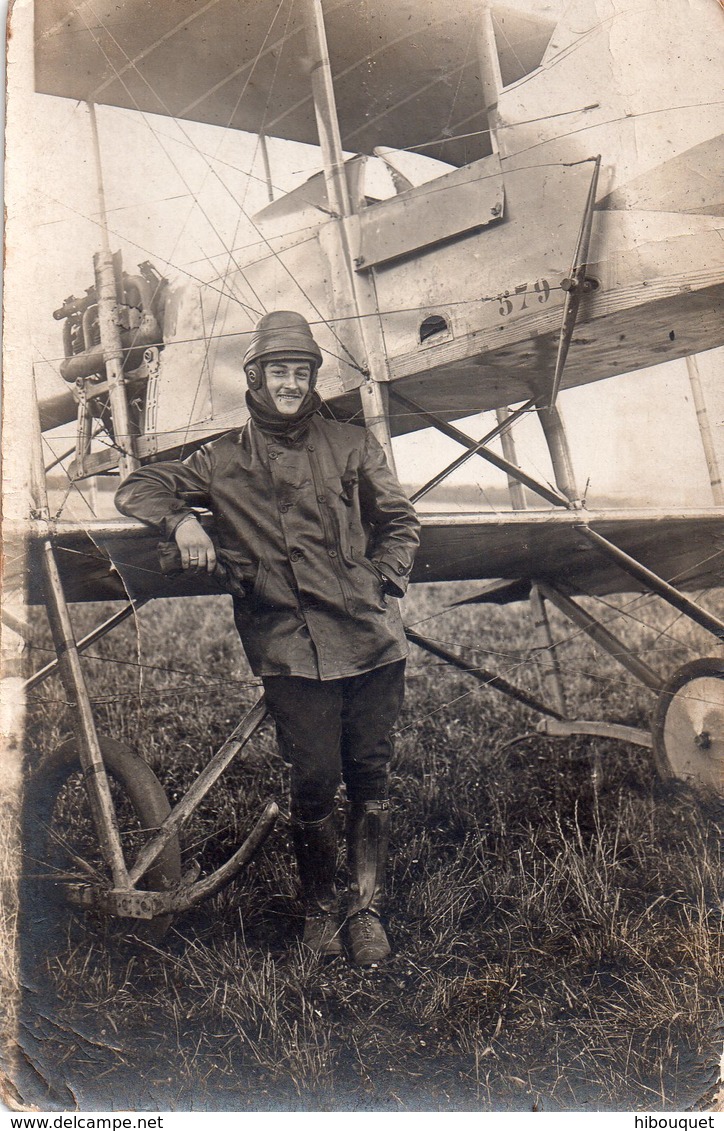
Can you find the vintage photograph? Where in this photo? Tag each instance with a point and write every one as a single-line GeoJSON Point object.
{"type": "Point", "coordinates": [363, 553]}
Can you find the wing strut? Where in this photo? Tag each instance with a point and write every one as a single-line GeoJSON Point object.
{"type": "Point", "coordinates": [481, 674]}
{"type": "Point", "coordinates": [107, 297]}
{"type": "Point", "coordinates": [577, 285]}
{"type": "Point", "coordinates": [501, 429]}
{"type": "Point", "coordinates": [325, 109]}
{"type": "Point", "coordinates": [373, 392]}
{"type": "Point", "coordinates": [655, 583]}
{"type": "Point", "coordinates": [707, 439]}
{"type": "Point", "coordinates": [74, 685]}
{"type": "Point", "coordinates": [546, 492]}
{"type": "Point", "coordinates": [267, 166]}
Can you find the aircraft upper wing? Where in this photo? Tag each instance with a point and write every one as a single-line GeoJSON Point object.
{"type": "Point", "coordinates": [115, 560]}
{"type": "Point", "coordinates": [406, 72]}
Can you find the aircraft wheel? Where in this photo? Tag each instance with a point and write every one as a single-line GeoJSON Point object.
{"type": "Point", "coordinates": [688, 725]}
{"type": "Point", "coordinates": [60, 840]}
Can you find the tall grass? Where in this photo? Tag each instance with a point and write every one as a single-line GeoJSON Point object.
{"type": "Point", "coordinates": [553, 907]}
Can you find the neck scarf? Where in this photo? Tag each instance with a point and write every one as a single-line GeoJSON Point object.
{"type": "Point", "coordinates": [289, 428]}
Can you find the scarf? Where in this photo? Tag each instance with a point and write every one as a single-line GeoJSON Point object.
{"type": "Point", "coordinates": [287, 428]}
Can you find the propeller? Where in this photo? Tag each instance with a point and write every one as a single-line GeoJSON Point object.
{"type": "Point", "coordinates": [577, 285]}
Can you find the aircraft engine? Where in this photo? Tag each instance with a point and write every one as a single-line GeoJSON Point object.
{"type": "Point", "coordinates": [141, 300]}
{"type": "Point", "coordinates": [139, 312]}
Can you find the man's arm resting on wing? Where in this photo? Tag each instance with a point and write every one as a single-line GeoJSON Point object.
{"type": "Point", "coordinates": [162, 494]}
{"type": "Point", "coordinates": [396, 533]}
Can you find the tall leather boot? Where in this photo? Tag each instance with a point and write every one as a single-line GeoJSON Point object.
{"type": "Point", "coordinates": [315, 846]}
{"type": "Point", "coordinates": [367, 839]}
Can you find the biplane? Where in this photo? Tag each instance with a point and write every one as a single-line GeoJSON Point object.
{"type": "Point", "coordinates": [509, 205]}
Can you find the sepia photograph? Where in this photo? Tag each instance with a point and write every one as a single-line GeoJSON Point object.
{"type": "Point", "coordinates": [362, 701]}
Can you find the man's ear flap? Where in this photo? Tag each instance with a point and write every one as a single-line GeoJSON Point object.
{"type": "Point", "coordinates": [254, 375]}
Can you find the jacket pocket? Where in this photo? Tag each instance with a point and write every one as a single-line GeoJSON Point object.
{"type": "Point", "coordinates": [379, 588]}
{"type": "Point", "coordinates": [253, 575]}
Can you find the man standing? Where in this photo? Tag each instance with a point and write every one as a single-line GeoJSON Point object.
{"type": "Point", "coordinates": [311, 518]}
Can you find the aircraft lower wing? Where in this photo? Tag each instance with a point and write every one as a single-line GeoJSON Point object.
{"type": "Point", "coordinates": [118, 560]}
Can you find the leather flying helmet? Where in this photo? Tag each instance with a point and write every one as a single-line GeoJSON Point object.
{"type": "Point", "coordinates": [282, 333]}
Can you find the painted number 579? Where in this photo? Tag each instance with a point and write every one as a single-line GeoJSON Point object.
{"type": "Point", "coordinates": [518, 299]}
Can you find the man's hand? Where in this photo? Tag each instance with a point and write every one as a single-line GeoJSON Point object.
{"type": "Point", "coordinates": [196, 548]}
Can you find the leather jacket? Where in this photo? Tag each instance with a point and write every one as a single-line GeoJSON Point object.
{"type": "Point", "coordinates": [319, 529]}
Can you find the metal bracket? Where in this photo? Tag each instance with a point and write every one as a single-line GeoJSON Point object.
{"type": "Point", "coordinates": [124, 904]}
{"type": "Point", "coordinates": [152, 363]}
{"type": "Point", "coordinates": [198, 789]}
{"type": "Point", "coordinates": [577, 285]}
{"type": "Point", "coordinates": [127, 903]}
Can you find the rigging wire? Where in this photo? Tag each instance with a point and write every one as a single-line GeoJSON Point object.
{"type": "Point", "coordinates": [146, 666]}
{"type": "Point", "coordinates": [145, 693]}
{"type": "Point", "coordinates": [158, 137]}
{"type": "Point", "coordinates": [146, 251]}
{"type": "Point", "coordinates": [527, 660]}
{"type": "Point", "coordinates": [608, 679]}
{"type": "Point", "coordinates": [481, 299]}
{"type": "Point", "coordinates": [71, 485]}
{"type": "Point", "coordinates": [575, 633]}
{"type": "Point", "coordinates": [241, 213]}
{"type": "Point", "coordinates": [351, 359]}
{"type": "Point", "coordinates": [608, 122]}
{"type": "Point", "coordinates": [144, 118]}
{"type": "Point", "coordinates": [639, 596]}
{"type": "Point", "coordinates": [200, 152]}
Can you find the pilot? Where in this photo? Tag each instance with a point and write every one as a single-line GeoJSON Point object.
{"type": "Point", "coordinates": [314, 526]}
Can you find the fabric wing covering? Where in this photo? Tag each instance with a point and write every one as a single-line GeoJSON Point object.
{"type": "Point", "coordinates": [110, 561]}
{"type": "Point", "coordinates": [406, 72]}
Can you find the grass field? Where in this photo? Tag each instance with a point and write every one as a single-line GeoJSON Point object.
{"type": "Point", "coordinates": [553, 907]}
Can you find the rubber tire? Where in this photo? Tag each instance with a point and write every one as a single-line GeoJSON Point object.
{"type": "Point", "coordinates": [710, 667]}
{"type": "Point", "coordinates": [150, 805]}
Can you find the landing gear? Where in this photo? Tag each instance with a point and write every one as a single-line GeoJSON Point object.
{"type": "Point", "coordinates": [688, 725]}
{"type": "Point", "coordinates": [62, 856]}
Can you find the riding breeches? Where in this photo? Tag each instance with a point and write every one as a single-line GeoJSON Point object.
{"type": "Point", "coordinates": [336, 729]}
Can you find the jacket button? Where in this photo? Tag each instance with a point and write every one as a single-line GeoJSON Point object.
{"type": "Point", "coordinates": [296, 555]}
{"type": "Point", "coordinates": [284, 507]}
{"type": "Point", "coordinates": [401, 571]}
{"type": "Point", "coordinates": [333, 553]}
{"type": "Point", "coordinates": [310, 447]}
{"type": "Point", "coordinates": [273, 455]}
{"type": "Point", "coordinates": [321, 498]}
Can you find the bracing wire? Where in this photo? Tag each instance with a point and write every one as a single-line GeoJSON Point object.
{"type": "Point", "coordinates": [144, 118]}
{"type": "Point", "coordinates": [351, 359]}
{"type": "Point", "coordinates": [241, 212]}
{"type": "Point", "coordinates": [513, 667]}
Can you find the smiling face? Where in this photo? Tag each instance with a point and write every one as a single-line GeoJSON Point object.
{"type": "Point", "coordinates": [287, 382]}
